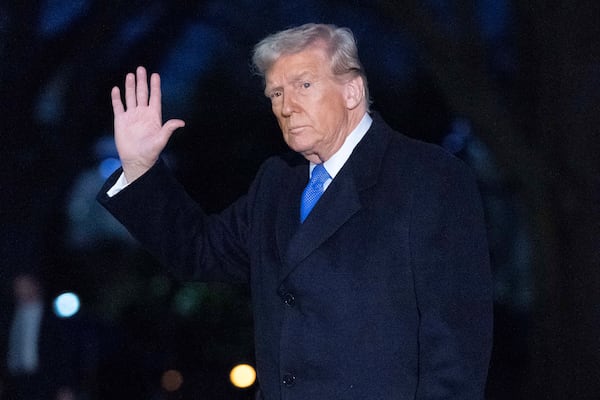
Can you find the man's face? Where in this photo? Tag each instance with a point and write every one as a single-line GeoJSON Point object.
{"type": "Point", "coordinates": [311, 106]}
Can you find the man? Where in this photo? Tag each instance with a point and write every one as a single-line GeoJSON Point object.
{"type": "Point", "coordinates": [382, 290]}
{"type": "Point", "coordinates": [37, 358]}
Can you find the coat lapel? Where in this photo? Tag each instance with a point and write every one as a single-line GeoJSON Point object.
{"type": "Point", "coordinates": [339, 203]}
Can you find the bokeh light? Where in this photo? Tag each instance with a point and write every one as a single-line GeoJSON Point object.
{"type": "Point", "coordinates": [66, 305]}
{"type": "Point", "coordinates": [242, 376]}
{"type": "Point", "coordinates": [108, 166]}
{"type": "Point", "coordinates": [171, 380]}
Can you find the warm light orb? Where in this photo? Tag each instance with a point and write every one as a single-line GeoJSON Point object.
{"type": "Point", "coordinates": [242, 376]}
{"type": "Point", "coordinates": [171, 380]}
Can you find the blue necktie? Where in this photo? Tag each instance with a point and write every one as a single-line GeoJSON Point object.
{"type": "Point", "coordinates": [313, 190]}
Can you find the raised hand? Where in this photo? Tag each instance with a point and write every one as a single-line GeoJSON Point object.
{"type": "Point", "coordinates": [140, 135]}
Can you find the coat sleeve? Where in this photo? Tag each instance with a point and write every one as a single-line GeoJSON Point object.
{"type": "Point", "coordinates": [450, 263]}
{"type": "Point", "coordinates": [158, 213]}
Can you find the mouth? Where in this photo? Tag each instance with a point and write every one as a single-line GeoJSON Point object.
{"type": "Point", "coordinates": [295, 130]}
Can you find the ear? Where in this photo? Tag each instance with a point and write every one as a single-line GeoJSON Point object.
{"type": "Point", "coordinates": [354, 92]}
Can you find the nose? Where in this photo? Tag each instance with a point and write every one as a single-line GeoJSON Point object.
{"type": "Point", "coordinates": [288, 104]}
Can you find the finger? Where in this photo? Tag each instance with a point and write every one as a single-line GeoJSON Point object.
{"type": "Point", "coordinates": [142, 86]}
{"type": "Point", "coordinates": [155, 92]}
{"type": "Point", "coordinates": [130, 101]}
{"type": "Point", "coordinates": [170, 126]}
{"type": "Point", "coordinates": [117, 103]}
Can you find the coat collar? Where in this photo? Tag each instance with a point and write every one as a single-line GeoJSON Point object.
{"type": "Point", "coordinates": [340, 202]}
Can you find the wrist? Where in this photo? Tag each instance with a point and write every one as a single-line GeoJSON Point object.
{"type": "Point", "coordinates": [133, 170]}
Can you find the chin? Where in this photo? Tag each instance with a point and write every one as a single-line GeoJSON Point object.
{"type": "Point", "coordinates": [298, 147]}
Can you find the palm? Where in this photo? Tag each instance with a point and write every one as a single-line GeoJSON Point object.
{"type": "Point", "coordinates": [140, 135]}
{"type": "Point", "coordinates": [137, 133]}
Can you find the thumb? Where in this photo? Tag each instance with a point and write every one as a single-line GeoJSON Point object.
{"type": "Point", "coordinates": [170, 126]}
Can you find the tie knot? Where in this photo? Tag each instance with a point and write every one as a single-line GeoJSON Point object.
{"type": "Point", "coordinates": [319, 174]}
{"type": "Point", "coordinates": [313, 191]}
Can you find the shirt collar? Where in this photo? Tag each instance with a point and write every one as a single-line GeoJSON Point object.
{"type": "Point", "coordinates": [335, 163]}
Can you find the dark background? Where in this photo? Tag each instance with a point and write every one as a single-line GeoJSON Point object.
{"type": "Point", "coordinates": [512, 87]}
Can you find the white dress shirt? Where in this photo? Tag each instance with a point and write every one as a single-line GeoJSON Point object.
{"type": "Point", "coordinates": [337, 161]}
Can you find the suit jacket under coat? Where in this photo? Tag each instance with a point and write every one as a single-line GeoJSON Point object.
{"type": "Point", "coordinates": [384, 292]}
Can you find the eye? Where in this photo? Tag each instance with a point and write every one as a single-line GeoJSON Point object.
{"type": "Point", "coordinates": [274, 94]}
{"type": "Point", "coordinates": [306, 85]}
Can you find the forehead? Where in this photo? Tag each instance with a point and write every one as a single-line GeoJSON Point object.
{"type": "Point", "coordinates": [311, 61]}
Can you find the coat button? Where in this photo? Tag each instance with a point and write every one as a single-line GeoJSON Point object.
{"type": "Point", "coordinates": [289, 299]}
{"type": "Point", "coordinates": [289, 380]}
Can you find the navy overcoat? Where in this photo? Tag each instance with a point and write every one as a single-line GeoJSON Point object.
{"type": "Point", "coordinates": [383, 293]}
